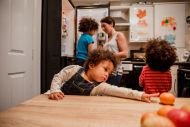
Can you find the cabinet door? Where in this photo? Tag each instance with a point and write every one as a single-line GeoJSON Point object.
{"type": "Point", "coordinates": [170, 23]}
{"type": "Point", "coordinates": [141, 23]}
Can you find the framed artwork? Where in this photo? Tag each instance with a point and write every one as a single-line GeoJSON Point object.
{"type": "Point", "coordinates": [141, 23]}
{"type": "Point", "coordinates": [170, 23]}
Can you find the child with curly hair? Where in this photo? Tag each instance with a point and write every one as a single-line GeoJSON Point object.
{"type": "Point", "coordinates": [156, 76]}
{"type": "Point", "coordinates": [90, 79]}
{"type": "Point", "coordinates": [88, 27]}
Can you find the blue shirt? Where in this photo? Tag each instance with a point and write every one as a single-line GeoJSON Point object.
{"type": "Point", "coordinates": [82, 46]}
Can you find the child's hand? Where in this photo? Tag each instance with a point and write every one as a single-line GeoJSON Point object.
{"type": "Point", "coordinates": [56, 96]}
{"type": "Point", "coordinates": [146, 97]}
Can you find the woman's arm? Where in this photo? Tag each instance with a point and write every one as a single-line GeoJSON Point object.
{"type": "Point", "coordinates": [122, 45]}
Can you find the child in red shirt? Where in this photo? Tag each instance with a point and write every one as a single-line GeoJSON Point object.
{"type": "Point", "coordinates": [156, 76]}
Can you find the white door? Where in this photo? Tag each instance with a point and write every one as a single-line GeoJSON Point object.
{"type": "Point", "coordinates": [16, 45]}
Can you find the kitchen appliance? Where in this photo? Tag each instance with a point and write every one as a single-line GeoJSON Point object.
{"type": "Point", "coordinates": [184, 77]}
{"type": "Point", "coordinates": [101, 38]}
{"type": "Point", "coordinates": [96, 12]}
{"type": "Point", "coordinates": [137, 55]}
{"type": "Point", "coordinates": [132, 69]}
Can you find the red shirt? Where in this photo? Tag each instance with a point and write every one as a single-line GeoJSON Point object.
{"type": "Point", "coordinates": [155, 81]}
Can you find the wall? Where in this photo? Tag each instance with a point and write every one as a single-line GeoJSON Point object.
{"type": "Point", "coordinates": [180, 50]}
{"type": "Point", "coordinates": [187, 44]}
{"type": "Point", "coordinates": [67, 41]}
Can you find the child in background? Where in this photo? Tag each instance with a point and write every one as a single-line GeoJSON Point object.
{"type": "Point", "coordinates": [88, 27]}
{"type": "Point", "coordinates": [90, 79]}
{"type": "Point", "coordinates": [156, 76]}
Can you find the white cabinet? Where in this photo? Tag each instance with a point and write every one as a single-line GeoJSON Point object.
{"type": "Point", "coordinates": [170, 22]}
{"type": "Point", "coordinates": [141, 23]}
{"type": "Point", "coordinates": [120, 14]}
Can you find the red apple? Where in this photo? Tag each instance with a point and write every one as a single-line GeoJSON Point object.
{"type": "Point", "coordinates": [179, 117]}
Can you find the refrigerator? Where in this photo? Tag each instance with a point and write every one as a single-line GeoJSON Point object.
{"type": "Point", "coordinates": [96, 12]}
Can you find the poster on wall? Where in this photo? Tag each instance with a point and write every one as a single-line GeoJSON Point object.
{"type": "Point", "coordinates": [96, 12]}
{"type": "Point", "coordinates": [168, 26]}
{"type": "Point", "coordinates": [170, 23]}
{"type": "Point", "coordinates": [141, 23]}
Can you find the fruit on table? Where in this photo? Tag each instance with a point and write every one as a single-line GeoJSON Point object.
{"type": "Point", "coordinates": [167, 98]}
{"type": "Point", "coordinates": [146, 115]}
{"type": "Point", "coordinates": [179, 117]}
{"type": "Point", "coordinates": [185, 107]}
{"type": "Point", "coordinates": [163, 110]}
{"type": "Point", "coordinates": [157, 121]}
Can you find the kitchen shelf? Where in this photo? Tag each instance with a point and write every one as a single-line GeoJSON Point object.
{"type": "Point", "coordinates": [120, 14]}
{"type": "Point", "coordinates": [119, 7]}
{"type": "Point", "coordinates": [122, 24]}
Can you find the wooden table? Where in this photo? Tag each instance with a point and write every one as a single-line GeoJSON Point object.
{"type": "Point", "coordinates": [80, 111]}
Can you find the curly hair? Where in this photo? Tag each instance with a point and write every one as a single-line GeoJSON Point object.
{"type": "Point", "coordinates": [159, 55]}
{"type": "Point", "coordinates": [87, 24]}
{"type": "Point", "coordinates": [108, 20]}
{"type": "Point", "coordinates": [99, 55]}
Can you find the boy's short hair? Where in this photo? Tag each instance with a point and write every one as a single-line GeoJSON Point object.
{"type": "Point", "coordinates": [99, 55]}
{"type": "Point", "coordinates": [87, 24]}
{"type": "Point", "coordinates": [159, 55]}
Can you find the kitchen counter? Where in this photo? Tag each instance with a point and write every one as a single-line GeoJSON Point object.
{"type": "Point", "coordinates": [143, 63]}
{"type": "Point", "coordinates": [132, 71]}
{"type": "Point", "coordinates": [80, 111]}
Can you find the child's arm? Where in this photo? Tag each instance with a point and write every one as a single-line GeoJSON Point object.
{"type": "Point", "coordinates": [59, 79]}
{"type": "Point", "coordinates": [107, 89]}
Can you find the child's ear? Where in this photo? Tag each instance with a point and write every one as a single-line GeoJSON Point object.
{"type": "Point", "coordinates": [91, 66]}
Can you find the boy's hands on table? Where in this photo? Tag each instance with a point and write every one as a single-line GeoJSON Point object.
{"type": "Point", "coordinates": [147, 97]}
{"type": "Point", "coordinates": [56, 96]}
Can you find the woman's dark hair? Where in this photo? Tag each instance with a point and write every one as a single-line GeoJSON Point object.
{"type": "Point", "coordinates": [87, 24]}
{"type": "Point", "coordinates": [160, 55]}
{"type": "Point", "coordinates": [98, 55]}
{"type": "Point", "coordinates": [108, 20]}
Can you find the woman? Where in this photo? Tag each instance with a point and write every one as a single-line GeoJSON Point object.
{"type": "Point", "coordinates": [117, 44]}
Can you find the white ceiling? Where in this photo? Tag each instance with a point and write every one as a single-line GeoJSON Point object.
{"type": "Point", "coordinates": [97, 2]}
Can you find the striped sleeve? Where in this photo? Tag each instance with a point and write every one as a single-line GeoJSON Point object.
{"type": "Point", "coordinates": [141, 78]}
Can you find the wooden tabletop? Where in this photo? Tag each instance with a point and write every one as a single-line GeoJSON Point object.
{"type": "Point", "coordinates": [80, 111]}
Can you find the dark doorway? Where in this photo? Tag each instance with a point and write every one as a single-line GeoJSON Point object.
{"type": "Point", "coordinates": [51, 41]}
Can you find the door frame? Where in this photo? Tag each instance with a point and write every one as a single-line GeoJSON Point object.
{"type": "Point", "coordinates": [51, 41]}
